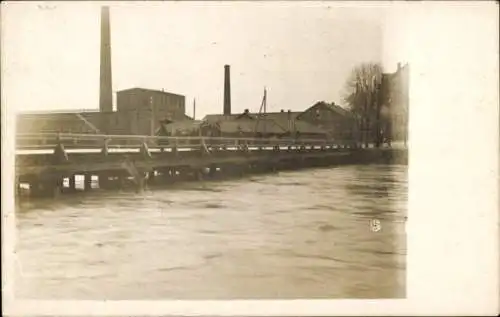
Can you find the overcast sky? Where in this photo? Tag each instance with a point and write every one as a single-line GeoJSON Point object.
{"type": "Point", "coordinates": [302, 52]}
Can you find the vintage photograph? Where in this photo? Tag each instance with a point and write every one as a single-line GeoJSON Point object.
{"type": "Point", "coordinates": [218, 150]}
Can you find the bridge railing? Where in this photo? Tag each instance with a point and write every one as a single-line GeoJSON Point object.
{"type": "Point", "coordinates": [46, 140]}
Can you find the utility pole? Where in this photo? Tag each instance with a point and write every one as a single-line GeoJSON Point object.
{"type": "Point", "coordinates": [194, 109]}
{"type": "Point", "coordinates": [265, 99]}
{"type": "Point", "coordinates": [265, 109]}
{"type": "Point", "coordinates": [152, 123]}
{"type": "Point", "coordinates": [262, 110]}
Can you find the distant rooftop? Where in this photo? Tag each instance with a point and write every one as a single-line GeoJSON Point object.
{"type": "Point", "coordinates": [150, 90]}
{"type": "Point", "coordinates": [57, 111]}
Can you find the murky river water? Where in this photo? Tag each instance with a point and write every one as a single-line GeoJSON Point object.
{"type": "Point", "coordinates": [299, 234]}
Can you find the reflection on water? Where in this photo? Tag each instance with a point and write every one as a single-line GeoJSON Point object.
{"type": "Point", "coordinates": [300, 234]}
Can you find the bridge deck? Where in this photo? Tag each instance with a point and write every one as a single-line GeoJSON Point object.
{"type": "Point", "coordinates": [48, 157]}
{"type": "Point", "coordinates": [84, 163]}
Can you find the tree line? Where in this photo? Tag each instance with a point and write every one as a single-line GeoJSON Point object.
{"type": "Point", "coordinates": [366, 93]}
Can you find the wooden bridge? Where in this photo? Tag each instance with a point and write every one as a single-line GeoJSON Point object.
{"type": "Point", "coordinates": [44, 161]}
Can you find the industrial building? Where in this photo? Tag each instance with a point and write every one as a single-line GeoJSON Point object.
{"type": "Point", "coordinates": [139, 111]}
{"type": "Point", "coordinates": [322, 120]}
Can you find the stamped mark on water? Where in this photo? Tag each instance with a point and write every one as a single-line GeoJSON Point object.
{"type": "Point", "coordinates": [375, 225]}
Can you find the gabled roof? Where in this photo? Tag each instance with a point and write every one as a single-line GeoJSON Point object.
{"type": "Point", "coordinates": [54, 122]}
{"type": "Point", "coordinates": [282, 119]}
{"type": "Point", "coordinates": [338, 109]}
{"type": "Point", "coordinates": [214, 118]}
{"type": "Point", "coordinates": [56, 111]}
{"type": "Point", "coordinates": [332, 106]}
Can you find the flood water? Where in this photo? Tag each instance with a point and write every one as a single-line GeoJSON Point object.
{"type": "Point", "coordinates": [294, 234]}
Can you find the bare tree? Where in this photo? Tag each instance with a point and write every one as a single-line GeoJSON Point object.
{"type": "Point", "coordinates": [363, 96]}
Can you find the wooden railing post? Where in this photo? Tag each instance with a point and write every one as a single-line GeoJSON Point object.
{"type": "Point", "coordinates": [174, 147]}
{"type": "Point", "coordinates": [105, 147]}
{"type": "Point", "coordinates": [145, 150]}
{"type": "Point", "coordinates": [203, 147]}
{"type": "Point", "coordinates": [60, 155]}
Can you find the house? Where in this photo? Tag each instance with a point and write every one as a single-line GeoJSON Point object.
{"type": "Point", "coordinates": [216, 118]}
{"type": "Point", "coordinates": [395, 101]}
{"type": "Point", "coordinates": [265, 125]}
{"type": "Point", "coordinates": [306, 130]}
{"type": "Point", "coordinates": [245, 124]}
{"type": "Point", "coordinates": [284, 119]}
{"type": "Point", "coordinates": [338, 122]}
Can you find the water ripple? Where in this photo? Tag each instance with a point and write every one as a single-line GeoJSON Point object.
{"type": "Point", "coordinates": [293, 234]}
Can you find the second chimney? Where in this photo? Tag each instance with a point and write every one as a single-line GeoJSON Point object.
{"type": "Point", "coordinates": [227, 91]}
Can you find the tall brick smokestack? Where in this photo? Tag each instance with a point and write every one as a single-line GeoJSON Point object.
{"type": "Point", "coordinates": [105, 89]}
{"type": "Point", "coordinates": [227, 90]}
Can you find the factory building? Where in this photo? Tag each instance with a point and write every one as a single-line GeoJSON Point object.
{"type": "Point", "coordinates": [147, 108]}
{"type": "Point", "coordinates": [139, 111]}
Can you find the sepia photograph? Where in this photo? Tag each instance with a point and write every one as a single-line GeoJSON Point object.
{"type": "Point", "coordinates": [208, 151]}
{"type": "Point", "coordinates": [254, 158]}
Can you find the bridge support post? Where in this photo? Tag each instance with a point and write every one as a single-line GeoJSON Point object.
{"type": "Point", "coordinates": [60, 155]}
{"type": "Point", "coordinates": [45, 187]}
{"type": "Point", "coordinates": [165, 173]}
{"type": "Point", "coordinates": [58, 186]}
{"type": "Point", "coordinates": [212, 170]}
{"type": "Point", "coordinates": [198, 174]}
{"type": "Point", "coordinates": [104, 181]}
{"type": "Point", "coordinates": [87, 181]}
{"type": "Point", "coordinates": [35, 188]}
{"type": "Point", "coordinates": [151, 176]}
{"type": "Point", "coordinates": [105, 148]}
{"type": "Point", "coordinates": [273, 167]}
{"type": "Point", "coordinates": [170, 173]}
{"type": "Point", "coordinates": [145, 150]}
{"type": "Point", "coordinates": [72, 183]}
{"type": "Point", "coordinates": [242, 170]}
{"type": "Point", "coordinates": [140, 184]}
{"type": "Point", "coordinates": [132, 170]}
{"type": "Point", "coordinates": [17, 186]}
